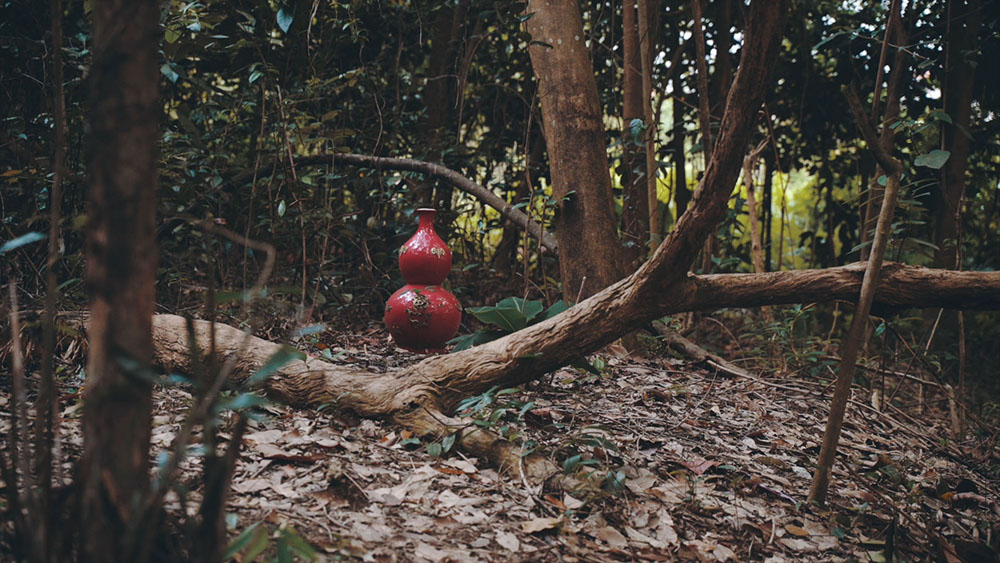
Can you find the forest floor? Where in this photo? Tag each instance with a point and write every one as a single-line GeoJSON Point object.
{"type": "Point", "coordinates": [671, 460]}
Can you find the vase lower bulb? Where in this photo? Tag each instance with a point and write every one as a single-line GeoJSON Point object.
{"type": "Point", "coordinates": [422, 318]}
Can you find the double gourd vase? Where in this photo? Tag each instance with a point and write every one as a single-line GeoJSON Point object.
{"type": "Point", "coordinates": [422, 316]}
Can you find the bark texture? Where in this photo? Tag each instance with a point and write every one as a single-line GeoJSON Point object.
{"type": "Point", "coordinates": [635, 212]}
{"type": "Point", "coordinates": [121, 269]}
{"type": "Point", "coordinates": [578, 159]}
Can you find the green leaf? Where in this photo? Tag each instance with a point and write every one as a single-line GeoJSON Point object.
{"type": "Point", "coordinates": [284, 355]}
{"type": "Point", "coordinates": [449, 441]}
{"type": "Point", "coordinates": [636, 129]}
{"type": "Point", "coordinates": [240, 402]}
{"type": "Point", "coordinates": [507, 318]}
{"type": "Point", "coordinates": [941, 116]}
{"type": "Point", "coordinates": [241, 541]}
{"type": "Point", "coordinates": [934, 159]}
{"type": "Point", "coordinates": [434, 449]}
{"type": "Point", "coordinates": [285, 17]}
{"type": "Point", "coordinates": [528, 308]}
{"type": "Point", "coordinates": [169, 72]}
{"type": "Point", "coordinates": [20, 241]}
{"type": "Point", "coordinates": [555, 309]}
{"type": "Point", "coordinates": [281, 208]}
{"type": "Point", "coordinates": [475, 339]}
{"type": "Point", "coordinates": [298, 544]}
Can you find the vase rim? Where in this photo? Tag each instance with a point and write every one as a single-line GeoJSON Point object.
{"type": "Point", "coordinates": [426, 209]}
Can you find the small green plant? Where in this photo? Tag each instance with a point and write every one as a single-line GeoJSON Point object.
{"type": "Point", "coordinates": [496, 410]}
{"type": "Point", "coordinates": [510, 315]}
{"type": "Point", "coordinates": [590, 460]}
{"type": "Point", "coordinates": [255, 540]}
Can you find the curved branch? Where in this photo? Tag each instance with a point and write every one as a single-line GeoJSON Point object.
{"type": "Point", "coordinates": [433, 170]}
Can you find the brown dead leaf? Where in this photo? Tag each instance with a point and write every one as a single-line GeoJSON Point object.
{"type": "Point", "coordinates": [699, 466]}
{"type": "Point", "coordinates": [555, 501]}
{"type": "Point", "coordinates": [508, 541]}
{"type": "Point", "coordinates": [540, 525]}
{"type": "Point", "coordinates": [612, 537]}
{"type": "Point", "coordinates": [796, 531]}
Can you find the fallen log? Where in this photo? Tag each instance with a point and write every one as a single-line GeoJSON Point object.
{"type": "Point", "coordinates": [422, 396]}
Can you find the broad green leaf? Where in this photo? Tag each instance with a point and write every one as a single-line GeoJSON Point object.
{"type": "Point", "coordinates": [285, 17]}
{"type": "Point", "coordinates": [555, 309]}
{"type": "Point", "coordinates": [20, 241]}
{"type": "Point", "coordinates": [509, 319]}
{"type": "Point", "coordinates": [934, 159]}
{"type": "Point", "coordinates": [528, 308]}
{"type": "Point", "coordinates": [281, 208]}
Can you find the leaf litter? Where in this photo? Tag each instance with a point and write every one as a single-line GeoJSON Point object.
{"type": "Point", "coordinates": [711, 467]}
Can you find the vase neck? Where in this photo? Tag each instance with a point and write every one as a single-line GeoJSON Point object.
{"type": "Point", "coordinates": [426, 218]}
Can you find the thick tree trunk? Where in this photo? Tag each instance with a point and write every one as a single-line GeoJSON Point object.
{"type": "Point", "coordinates": [574, 134]}
{"type": "Point", "coordinates": [635, 213]}
{"type": "Point", "coordinates": [121, 270]}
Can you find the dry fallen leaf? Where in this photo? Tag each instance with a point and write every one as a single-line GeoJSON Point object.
{"type": "Point", "coordinates": [508, 541]}
{"type": "Point", "coordinates": [540, 525]}
{"type": "Point", "coordinates": [796, 531]}
{"type": "Point", "coordinates": [612, 537]}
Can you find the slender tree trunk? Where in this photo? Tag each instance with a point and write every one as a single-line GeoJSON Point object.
{"type": "Point", "coordinates": [439, 91]}
{"type": "Point", "coordinates": [121, 270]}
{"type": "Point", "coordinates": [859, 322]}
{"type": "Point", "coordinates": [636, 215]}
{"type": "Point", "coordinates": [962, 43]}
{"type": "Point", "coordinates": [768, 216]}
{"type": "Point", "coordinates": [704, 113]}
{"type": "Point", "coordinates": [756, 249]}
{"type": "Point", "coordinates": [578, 160]}
{"type": "Point", "coordinates": [888, 136]}
{"type": "Point", "coordinates": [47, 411]}
{"type": "Point", "coordinates": [647, 42]}
{"type": "Point", "coordinates": [682, 195]}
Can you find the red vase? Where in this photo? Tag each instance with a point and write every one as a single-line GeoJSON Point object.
{"type": "Point", "coordinates": [421, 318]}
{"type": "Point", "coordinates": [425, 258]}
